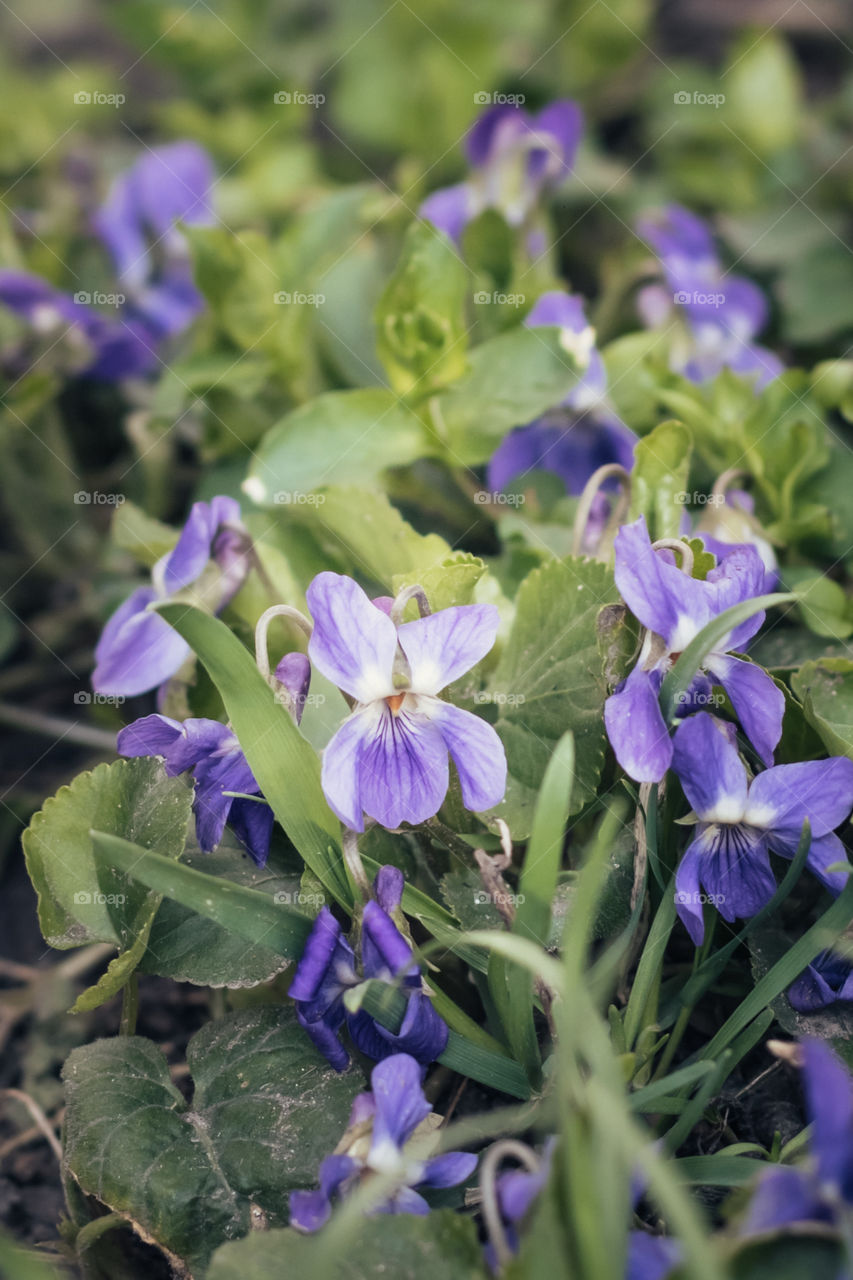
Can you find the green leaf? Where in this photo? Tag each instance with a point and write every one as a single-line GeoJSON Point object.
{"type": "Point", "coordinates": [823, 605]}
{"type": "Point", "coordinates": [79, 900]}
{"type": "Point", "coordinates": [510, 380]}
{"type": "Point", "coordinates": [787, 1255]}
{"type": "Point", "coordinates": [286, 767]}
{"type": "Point", "coordinates": [257, 917]}
{"type": "Point", "coordinates": [763, 69]}
{"type": "Point", "coordinates": [450, 582]}
{"type": "Point", "coordinates": [420, 318]}
{"type": "Point", "coordinates": [266, 1109]}
{"type": "Point", "coordinates": [402, 1246]}
{"type": "Point", "coordinates": [718, 1171]}
{"type": "Point", "coordinates": [825, 689]}
{"type": "Point", "coordinates": [549, 680]}
{"type": "Point", "coordinates": [342, 436]}
{"type": "Point", "coordinates": [145, 538]}
{"type": "Point", "coordinates": [659, 479]}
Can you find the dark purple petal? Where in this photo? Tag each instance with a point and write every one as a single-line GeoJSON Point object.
{"type": "Point", "coordinates": [735, 870]}
{"type": "Point", "coordinates": [252, 824]}
{"type": "Point", "coordinates": [400, 1102]}
{"type": "Point", "coordinates": [781, 798]}
{"type": "Point", "coordinates": [388, 888]}
{"type": "Point", "coordinates": [385, 952]}
{"type": "Point", "coordinates": [569, 447]}
{"type": "Point", "coordinates": [563, 120]}
{"type": "Point", "coordinates": [294, 672]}
{"type": "Point", "coordinates": [149, 736]}
{"type": "Point", "coordinates": [495, 130]}
{"type": "Point", "coordinates": [829, 978]}
{"type": "Point", "coordinates": [710, 770]}
{"type": "Point", "coordinates": [138, 650]}
{"type": "Point", "coordinates": [405, 1201]}
{"type": "Point", "coordinates": [651, 1257]}
{"type": "Point", "coordinates": [448, 1170]}
{"type": "Point", "coordinates": [194, 547]}
{"type": "Point", "coordinates": [309, 1210]}
{"type": "Point", "coordinates": [445, 645]}
{"type": "Point", "coordinates": [636, 729]}
{"type": "Point", "coordinates": [423, 1032]}
{"type": "Point", "coordinates": [403, 769]}
{"type": "Point", "coordinates": [169, 305]}
{"type": "Point", "coordinates": [450, 209]}
{"type": "Point", "coordinates": [324, 1037]}
{"type": "Point", "coordinates": [688, 893]}
{"type": "Point", "coordinates": [663, 598]}
{"type": "Point", "coordinates": [738, 577]}
{"type": "Point", "coordinates": [353, 643]}
{"type": "Point", "coordinates": [313, 971]}
{"type": "Point", "coordinates": [211, 811]}
{"type": "Point", "coordinates": [829, 1101]}
{"type": "Point", "coordinates": [477, 752]}
{"type": "Point", "coordinates": [758, 702]}
{"type": "Point", "coordinates": [783, 1196]}
{"type": "Point", "coordinates": [558, 308]}
{"type": "Point", "coordinates": [825, 852]}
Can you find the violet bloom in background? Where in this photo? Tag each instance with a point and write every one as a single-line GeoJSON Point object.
{"type": "Point", "coordinates": [396, 1109]}
{"type": "Point", "coordinates": [137, 224]}
{"type": "Point", "coordinates": [731, 523]}
{"type": "Point", "coordinates": [580, 436]}
{"type": "Point", "coordinates": [328, 969]}
{"type": "Point", "coordinates": [138, 650]}
{"type": "Point", "coordinates": [514, 158]}
{"type": "Point", "coordinates": [675, 607]}
{"type": "Point", "coordinates": [724, 312]}
{"type": "Point", "coordinates": [741, 822]}
{"type": "Point", "coordinates": [827, 980]}
{"type": "Point", "coordinates": [822, 1190]}
{"type": "Point", "coordinates": [390, 758]}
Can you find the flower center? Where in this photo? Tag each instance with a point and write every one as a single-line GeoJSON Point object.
{"type": "Point", "coordinates": [395, 702]}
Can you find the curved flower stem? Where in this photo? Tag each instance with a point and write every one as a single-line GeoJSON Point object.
{"type": "Point", "coordinates": [451, 841]}
{"type": "Point", "coordinates": [262, 626]}
{"type": "Point", "coordinates": [40, 1119]}
{"type": "Point", "coordinates": [129, 1006]}
{"type": "Point", "coordinates": [414, 592]}
{"type": "Point", "coordinates": [589, 494]}
{"type": "Point", "coordinates": [354, 865]}
{"type": "Point", "coordinates": [683, 549]}
{"type": "Point", "coordinates": [499, 1151]}
{"type": "Point", "coordinates": [726, 478]}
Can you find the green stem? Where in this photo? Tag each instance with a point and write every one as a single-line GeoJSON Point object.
{"type": "Point", "coordinates": [129, 1006]}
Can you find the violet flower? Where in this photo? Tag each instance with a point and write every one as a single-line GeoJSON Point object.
{"type": "Point", "coordinates": [731, 523]}
{"type": "Point", "coordinates": [327, 970]}
{"type": "Point", "coordinates": [138, 650]}
{"type": "Point", "coordinates": [675, 607]}
{"type": "Point", "coordinates": [514, 158]}
{"type": "Point", "coordinates": [574, 440]}
{"type": "Point", "coordinates": [724, 312]}
{"type": "Point", "coordinates": [389, 759]}
{"type": "Point", "coordinates": [398, 1114]}
{"type": "Point", "coordinates": [821, 1191]}
{"type": "Point", "coordinates": [741, 822]}
{"type": "Point", "coordinates": [827, 980]}
{"type": "Point", "coordinates": [137, 224]}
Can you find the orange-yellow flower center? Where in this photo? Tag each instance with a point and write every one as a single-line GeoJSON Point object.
{"type": "Point", "coordinates": [395, 702]}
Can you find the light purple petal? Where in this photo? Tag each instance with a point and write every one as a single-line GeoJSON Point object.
{"type": "Point", "coordinates": [400, 1102]}
{"type": "Point", "coordinates": [688, 894]}
{"type": "Point", "coordinates": [651, 1257]}
{"type": "Point", "coordinates": [309, 1210]}
{"type": "Point", "coordinates": [403, 766]}
{"type": "Point", "coordinates": [294, 672]}
{"type": "Point", "coordinates": [448, 1170]}
{"type": "Point", "coordinates": [757, 700]}
{"type": "Point", "coordinates": [735, 870]}
{"type": "Point", "coordinates": [565, 310]}
{"type": "Point", "coordinates": [825, 852]}
{"type": "Point", "coordinates": [636, 728]}
{"type": "Point", "coordinates": [445, 645]}
{"type": "Point", "coordinates": [341, 772]}
{"type": "Point", "coordinates": [739, 576]}
{"type": "Point", "coordinates": [138, 650]}
{"type": "Point", "coordinates": [353, 643]}
{"type": "Point", "coordinates": [194, 547]}
{"type": "Point", "coordinates": [663, 598]}
{"type": "Point", "coordinates": [781, 798]}
{"type": "Point", "coordinates": [450, 209]}
{"type": "Point", "coordinates": [149, 736]}
{"type": "Point", "coordinates": [710, 770]}
{"type": "Point", "coordinates": [495, 130]}
{"type": "Point", "coordinates": [829, 1101]}
{"type": "Point", "coordinates": [782, 1196]}
{"type": "Point", "coordinates": [388, 887]}
{"type": "Point", "coordinates": [563, 120]}
{"type": "Point", "coordinates": [477, 752]}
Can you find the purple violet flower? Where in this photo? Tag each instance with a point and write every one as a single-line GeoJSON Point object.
{"type": "Point", "coordinates": [821, 1191]}
{"type": "Point", "coordinates": [514, 157]}
{"type": "Point", "coordinates": [328, 968]}
{"type": "Point", "coordinates": [741, 822]}
{"type": "Point", "coordinates": [827, 980]}
{"type": "Point", "coordinates": [723, 312]}
{"type": "Point", "coordinates": [675, 607]}
{"type": "Point", "coordinates": [396, 1111]}
{"type": "Point", "coordinates": [138, 650]}
{"type": "Point", "coordinates": [580, 436]}
{"type": "Point", "coordinates": [389, 759]}
{"type": "Point", "coordinates": [730, 524]}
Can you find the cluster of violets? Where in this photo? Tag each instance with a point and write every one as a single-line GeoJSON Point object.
{"type": "Point", "coordinates": [137, 225]}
